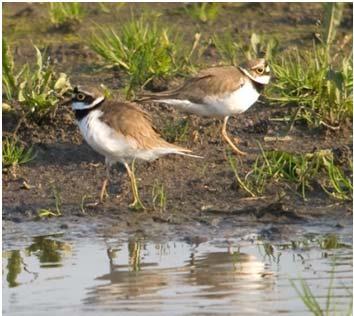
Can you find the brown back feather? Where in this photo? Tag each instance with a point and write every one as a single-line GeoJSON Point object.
{"type": "Point", "coordinates": [134, 123]}
{"type": "Point", "coordinates": [211, 81]}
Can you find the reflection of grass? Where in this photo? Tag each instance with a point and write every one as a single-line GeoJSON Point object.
{"type": "Point", "coordinates": [298, 169]}
{"type": "Point", "coordinates": [134, 249]}
{"type": "Point", "coordinates": [14, 267]}
{"type": "Point", "coordinates": [13, 153]}
{"type": "Point", "coordinates": [331, 241]}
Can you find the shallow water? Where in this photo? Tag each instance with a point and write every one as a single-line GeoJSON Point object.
{"type": "Point", "coordinates": [63, 273]}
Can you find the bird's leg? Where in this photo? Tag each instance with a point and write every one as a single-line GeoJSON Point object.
{"type": "Point", "coordinates": [137, 204]}
{"type": "Point", "coordinates": [104, 192]}
{"type": "Point", "coordinates": [228, 140]}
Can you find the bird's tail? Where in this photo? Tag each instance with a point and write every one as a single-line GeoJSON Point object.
{"type": "Point", "coordinates": [155, 96]}
{"type": "Point", "coordinates": [174, 149]}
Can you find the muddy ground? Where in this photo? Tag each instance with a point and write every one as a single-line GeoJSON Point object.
{"type": "Point", "coordinates": [200, 193]}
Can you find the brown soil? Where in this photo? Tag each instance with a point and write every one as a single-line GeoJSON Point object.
{"type": "Point", "coordinates": [198, 191]}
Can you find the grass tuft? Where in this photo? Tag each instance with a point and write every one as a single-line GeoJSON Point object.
{"type": "Point", "coordinates": [143, 50]}
{"type": "Point", "coordinates": [312, 303]}
{"type": "Point", "coordinates": [36, 88]}
{"type": "Point", "coordinates": [203, 12]}
{"type": "Point", "coordinates": [159, 197]}
{"type": "Point", "coordinates": [234, 50]}
{"type": "Point", "coordinates": [42, 213]}
{"type": "Point", "coordinates": [300, 170]}
{"type": "Point", "coordinates": [66, 15]}
{"type": "Point", "coordinates": [321, 90]}
{"type": "Point", "coordinates": [176, 130]}
{"type": "Point", "coordinates": [14, 153]}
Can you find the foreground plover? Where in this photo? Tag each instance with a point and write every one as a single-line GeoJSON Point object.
{"type": "Point", "coordinates": [121, 132]}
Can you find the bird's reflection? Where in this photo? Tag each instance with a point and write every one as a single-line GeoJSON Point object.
{"type": "Point", "coordinates": [136, 273]}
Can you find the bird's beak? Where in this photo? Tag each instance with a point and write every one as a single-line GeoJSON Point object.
{"type": "Point", "coordinates": [66, 101]}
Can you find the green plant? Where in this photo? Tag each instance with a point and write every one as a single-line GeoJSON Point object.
{"type": "Point", "coordinates": [332, 16]}
{"type": "Point", "coordinates": [14, 153]}
{"type": "Point", "coordinates": [49, 212]}
{"type": "Point", "coordinates": [320, 86]}
{"type": "Point", "coordinates": [322, 94]}
{"type": "Point", "coordinates": [298, 169]}
{"type": "Point", "coordinates": [233, 51]}
{"type": "Point", "coordinates": [66, 14]}
{"type": "Point", "coordinates": [143, 50]}
{"type": "Point", "coordinates": [312, 303]}
{"type": "Point", "coordinates": [37, 89]}
{"type": "Point", "coordinates": [159, 197]}
{"type": "Point", "coordinates": [176, 130]}
{"type": "Point", "coordinates": [203, 12]}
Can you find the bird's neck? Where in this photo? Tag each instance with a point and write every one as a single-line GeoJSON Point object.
{"type": "Point", "coordinates": [258, 86]}
{"type": "Point", "coordinates": [80, 114]}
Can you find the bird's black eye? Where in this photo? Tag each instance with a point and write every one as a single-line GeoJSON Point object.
{"type": "Point", "coordinates": [80, 97]}
{"type": "Point", "coordinates": [260, 70]}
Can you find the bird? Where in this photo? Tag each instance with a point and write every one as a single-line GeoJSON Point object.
{"type": "Point", "coordinates": [218, 92]}
{"type": "Point", "coordinates": [120, 131]}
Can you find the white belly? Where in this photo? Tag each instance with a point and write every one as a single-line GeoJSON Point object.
{"type": "Point", "coordinates": [236, 102]}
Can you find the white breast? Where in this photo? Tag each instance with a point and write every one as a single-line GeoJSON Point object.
{"type": "Point", "coordinates": [236, 102]}
{"type": "Point", "coordinates": [103, 138]}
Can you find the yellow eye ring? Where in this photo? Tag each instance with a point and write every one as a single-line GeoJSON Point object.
{"type": "Point", "coordinates": [80, 96]}
{"type": "Point", "coordinates": [260, 71]}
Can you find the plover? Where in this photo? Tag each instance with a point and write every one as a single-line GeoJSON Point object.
{"type": "Point", "coordinates": [218, 92]}
{"type": "Point", "coordinates": [121, 132]}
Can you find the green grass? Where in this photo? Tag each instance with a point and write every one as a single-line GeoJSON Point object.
{"type": "Point", "coordinates": [43, 212]}
{"type": "Point", "coordinates": [320, 89]}
{"type": "Point", "coordinates": [313, 305]}
{"type": "Point", "coordinates": [233, 51]}
{"type": "Point", "coordinates": [203, 12]}
{"type": "Point", "coordinates": [143, 50]}
{"type": "Point", "coordinates": [315, 80]}
{"type": "Point", "coordinates": [159, 196]}
{"type": "Point", "coordinates": [176, 130]}
{"type": "Point", "coordinates": [66, 14]}
{"type": "Point", "coordinates": [37, 88]}
{"type": "Point", "coordinates": [14, 153]}
{"type": "Point", "coordinates": [296, 170]}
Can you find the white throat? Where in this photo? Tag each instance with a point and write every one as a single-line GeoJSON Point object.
{"type": "Point", "coordinates": [84, 106]}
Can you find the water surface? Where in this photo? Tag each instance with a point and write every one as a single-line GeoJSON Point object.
{"type": "Point", "coordinates": [59, 274]}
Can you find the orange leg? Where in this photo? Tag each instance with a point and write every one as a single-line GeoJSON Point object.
{"type": "Point", "coordinates": [228, 140]}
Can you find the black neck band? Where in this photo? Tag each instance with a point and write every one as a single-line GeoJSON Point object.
{"type": "Point", "coordinates": [80, 114]}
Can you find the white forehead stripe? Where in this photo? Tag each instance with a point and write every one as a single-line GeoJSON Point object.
{"type": "Point", "coordinates": [84, 106]}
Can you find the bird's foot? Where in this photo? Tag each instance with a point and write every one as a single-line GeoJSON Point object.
{"type": "Point", "coordinates": [137, 205]}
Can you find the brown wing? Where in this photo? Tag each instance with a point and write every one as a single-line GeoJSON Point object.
{"type": "Point", "coordinates": [134, 123]}
{"type": "Point", "coordinates": [211, 81]}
